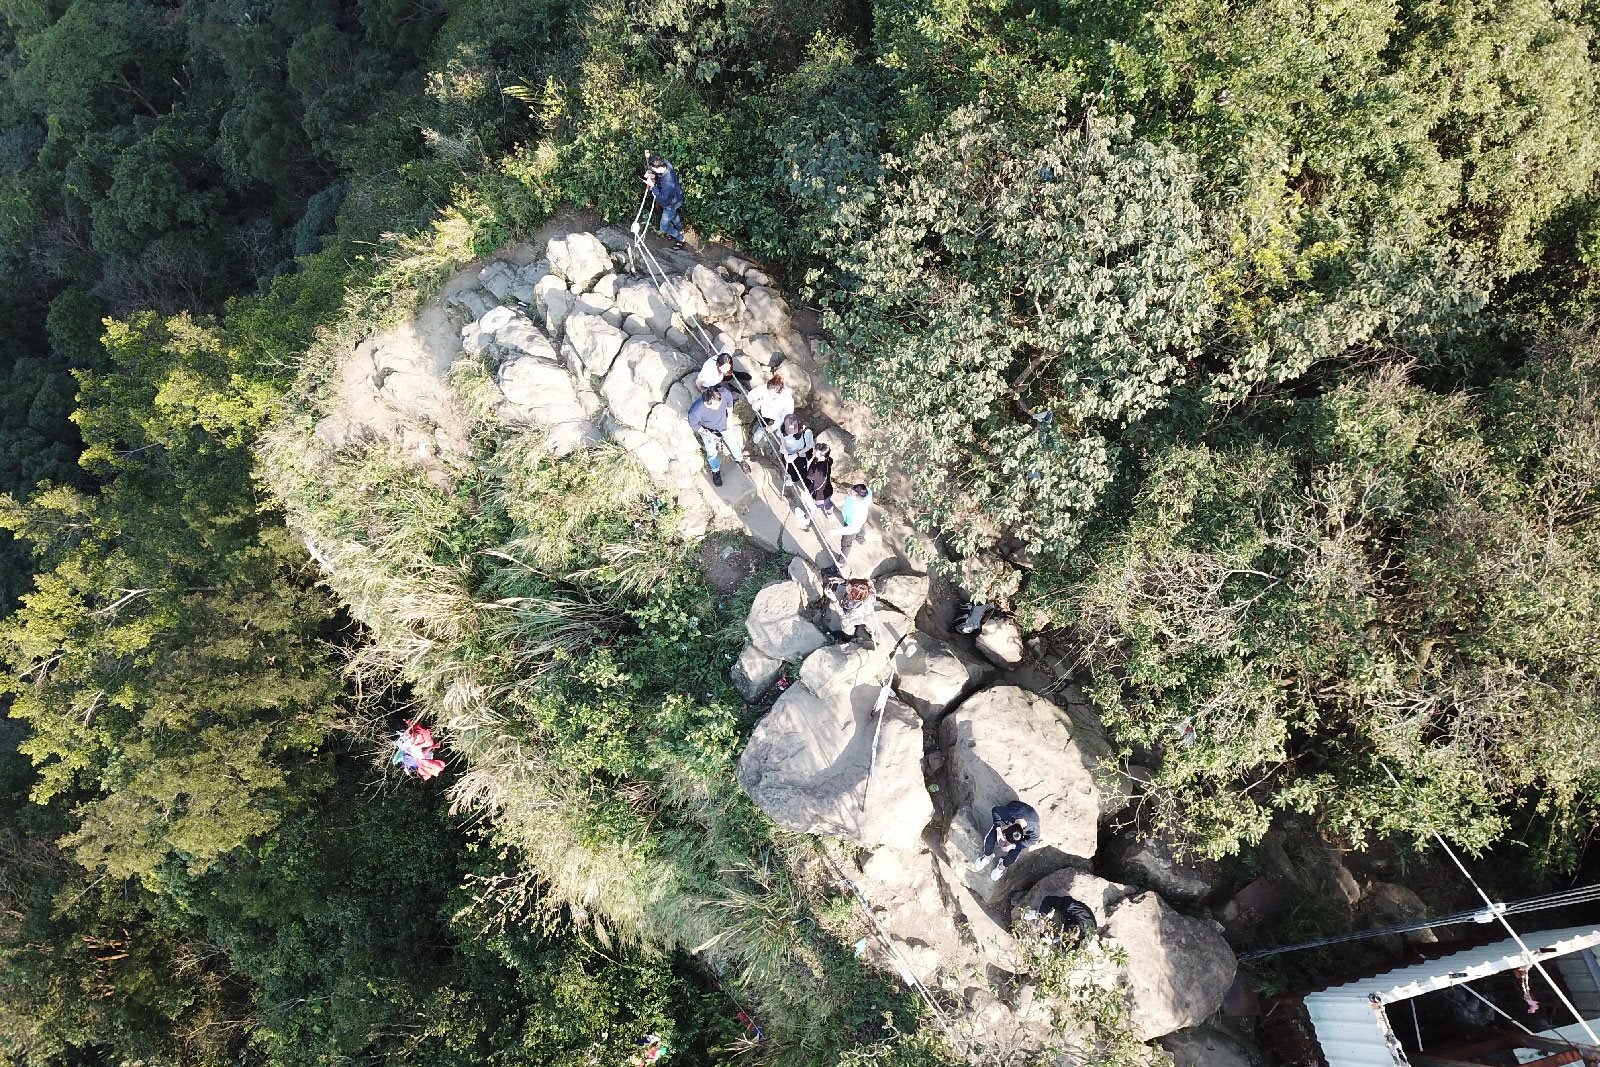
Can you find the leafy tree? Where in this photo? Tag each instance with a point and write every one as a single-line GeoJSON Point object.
{"type": "Point", "coordinates": [1406, 581]}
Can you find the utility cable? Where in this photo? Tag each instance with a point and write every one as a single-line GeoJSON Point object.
{"type": "Point", "coordinates": [1559, 899]}
{"type": "Point", "coordinates": [1527, 953]}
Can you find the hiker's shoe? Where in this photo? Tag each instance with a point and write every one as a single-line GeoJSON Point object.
{"type": "Point", "coordinates": [788, 482]}
{"type": "Point", "coordinates": [744, 465]}
{"type": "Point", "coordinates": [678, 245]}
{"type": "Point", "coordinates": [999, 869]}
{"type": "Point", "coordinates": [716, 479]}
{"type": "Point", "coordinates": [981, 862]}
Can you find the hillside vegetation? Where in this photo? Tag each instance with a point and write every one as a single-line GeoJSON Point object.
{"type": "Point", "coordinates": [1248, 351]}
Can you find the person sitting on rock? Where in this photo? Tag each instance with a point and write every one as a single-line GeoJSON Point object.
{"type": "Point", "coordinates": [1015, 830]}
{"type": "Point", "coordinates": [662, 181]}
{"type": "Point", "coordinates": [857, 607]}
{"type": "Point", "coordinates": [1068, 921]}
{"type": "Point", "coordinates": [708, 416]}
{"type": "Point", "coordinates": [819, 480]}
{"type": "Point", "coordinates": [772, 403]}
{"type": "Point", "coordinates": [797, 442]}
{"type": "Point", "coordinates": [853, 511]}
{"type": "Point", "coordinates": [719, 369]}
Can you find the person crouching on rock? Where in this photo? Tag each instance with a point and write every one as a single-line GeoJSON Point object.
{"type": "Point", "coordinates": [1067, 921]}
{"type": "Point", "coordinates": [709, 418]}
{"type": "Point", "coordinates": [857, 609]}
{"type": "Point", "coordinates": [719, 369]}
{"type": "Point", "coordinates": [772, 403]}
{"type": "Point", "coordinates": [1015, 830]}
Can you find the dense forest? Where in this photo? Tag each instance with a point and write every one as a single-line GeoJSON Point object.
{"type": "Point", "coordinates": [1250, 349]}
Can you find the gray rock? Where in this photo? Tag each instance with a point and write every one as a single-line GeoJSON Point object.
{"type": "Point", "coordinates": [1179, 968]}
{"type": "Point", "coordinates": [518, 334]}
{"type": "Point", "coordinates": [811, 765]}
{"type": "Point", "coordinates": [526, 289]}
{"type": "Point", "coordinates": [667, 427]}
{"type": "Point", "coordinates": [580, 258]}
{"type": "Point", "coordinates": [734, 265]}
{"type": "Point", "coordinates": [500, 278]}
{"type": "Point", "coordinates": [640, 378]}
{"type": "Point", "coordinates": [764, 312]}
{"type": "Point", "coordinates": [1203, 1047]}
{"type": "Point", "coordinates": [1150, 862]}
{"type": "Point", "coordinates": [754, 672]}
{"type": "Point", "coordinates": [615, 238]}
{"type": "Point", "coordinates": [639, 297]}
{"type": "Point", "coordinates": [1391, 904]}
{"type": "Point", "coordinates": [806, 576]}
{"type": "Point", "coordinates": [720, 301]}
{"type": "Point", "coordinates": [595, 343]}
{"type": "Point", "coordinates": [685, 297]}
{"type": "Point", "coordinates": [756, 277]}
{"type": "Point", "coordinates": [606, 288]}
{"type": "Point", "coordinates": [763, 351]}
{"type": "Point", "coordinates": [546, 396]}
{"type": "Point", "coordinates": [646, 450]}
{"type": "Point", "coordinates": [907, 592]}
{"type": "Point", "coordinates": [474, 303]}
{"type": "Point", "coordinates": [634, 326]}
{"type": "Point", "coordinates": [776, 628]}
{"type": "Point", "coordinates": [472, 339]}
{"type": "Point", "coordinates": [1006, 743]}
{"type": "Point", "coordinates": [1000, 641]}
{"type": "Point", "coordinates": [936, 678]}
{"type": "Point", "coordinates": [799, 380]}
{"type": "Point", "coordinates": [557, 309]}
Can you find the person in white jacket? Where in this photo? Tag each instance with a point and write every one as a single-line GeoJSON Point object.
{"type": "Point", "coordinates": [773, 403]}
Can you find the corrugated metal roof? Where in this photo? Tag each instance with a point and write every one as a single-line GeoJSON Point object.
{"type": "Point", "coordinates": [1351, 1026]}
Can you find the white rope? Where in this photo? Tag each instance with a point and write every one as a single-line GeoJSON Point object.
{"type": "Point", "coordinates": [1527, 953]}
{"type": "Point", "coordinates": [1493, 1006]}
{"type": "Point", "coordinates": [668, 290]}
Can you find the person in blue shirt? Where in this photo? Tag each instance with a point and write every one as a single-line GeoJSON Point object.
{"type": "Point", "coordinates": [708, 416]}
{"type": "Point", "coordinates": [853, 510]}
{"type": "Point", "coordinates": [668, 193]}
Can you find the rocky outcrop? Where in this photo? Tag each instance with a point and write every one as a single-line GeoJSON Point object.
{"type": "Point", "coordinates": [1004, 744]}
{"type": "Point", "coordinates": [1179, 968]}
{"type": "Point", "coordinates": [934, 677]}
{"type": "Point", "coordinates": [821, 761]}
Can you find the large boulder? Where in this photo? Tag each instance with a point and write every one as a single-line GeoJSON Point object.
{"type": "Point", "coordinates": [513, 330]}
{"type": "Point", "coordinates": [580, 258]}
{"type": "Point", "coordinates": [1151, 862]}
{"type": "Point", "coordinates": [1179, 968]}
{"type": "Point", "coordinates": [1201, 1047]}
{"type": "Point", "coordinates": [639, 380]}
{"type": "Point", "coordinates": [776, 628]}
{"type": "Point", "coordinates": [720, 301]}
{"type": "Point", "coordinates": [933, 677]}
{"type": "Point", "coordinates": [640, 297]}
{"type": "Point", "coordinates": [1006, 743]}
{"type": "Point", "coordinates": [500, 278]}
{"type": "Point", "coordinates": [545, 396]}
{"type": "Point", "coordinates": [822, 763]}
{"type": "Point", "coordinates": [593, 343]}
{"type": "Point", "coordinates": [754, 672]}
{"type": "Point", "coordinates": [1000, 641]}
{"type": "Point", "coordinates": [764, 312]}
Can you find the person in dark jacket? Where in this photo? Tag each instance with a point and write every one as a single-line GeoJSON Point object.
{"type": "Point", "coordinates": [819, 479]}
{"type": "Point", "coordinates": [1069, 921]}
{"type": "Point", "coordinates": [668, 192]}
{"type": "Point", "coordinates": [708, 417]}
{"type": "Point", "coordinates": [1015, 830]}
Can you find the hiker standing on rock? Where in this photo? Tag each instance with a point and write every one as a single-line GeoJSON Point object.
{"type": "Point", "coordinates": [1015, 830]}
{"type": "Point", "coordinates": [819, 480]}
{"type": "Point", "coordinates": [857, 609]}
{"type": "Point", "coordinates": [663, 183]}
{"type": "Point", "coordinates": [853, 510]}
{"type": "Point", "coordinates": [773, 403]}
{"type": "Point", "coordinates": [709, 418]}
{"type": "Point", "coordinates": [797, 442]}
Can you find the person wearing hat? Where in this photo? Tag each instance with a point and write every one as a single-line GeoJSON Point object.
{"type": "Point", "coordinates": [1015, 829]}
{"type": "Point", "coordinates": [664, 186]}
